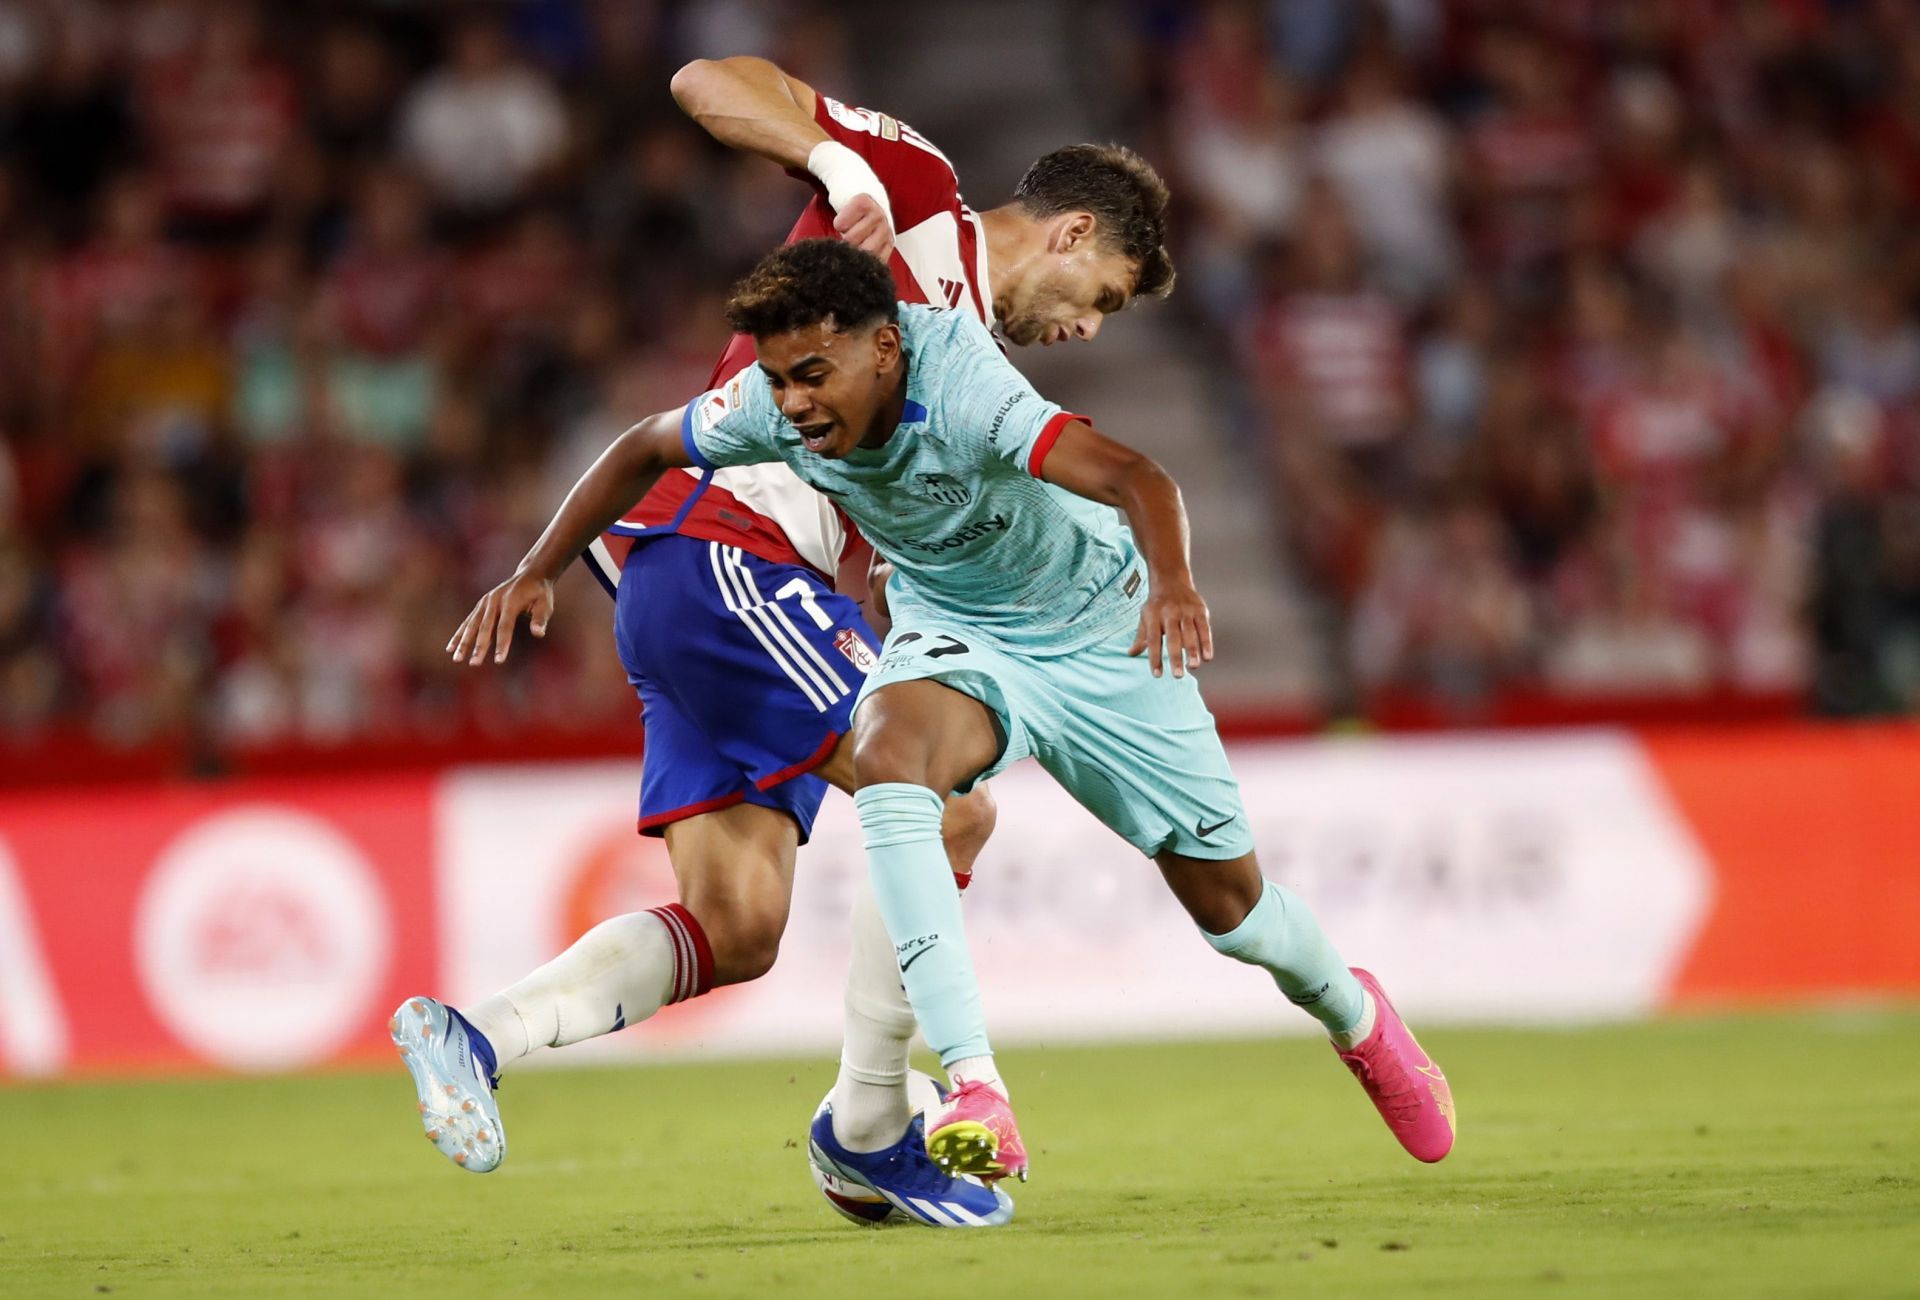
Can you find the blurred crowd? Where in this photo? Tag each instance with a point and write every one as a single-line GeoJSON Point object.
{"type": "Point", "coordinates": [309, 315]}
{"type": "Point", "coordinates": [1578, 336]}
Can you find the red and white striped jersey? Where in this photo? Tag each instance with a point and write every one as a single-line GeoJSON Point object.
{"type": "Point", "coordinates": [218, 135]}
{"type": "Point", "coordinates": [940, 257]}
{"type": "Point", "coordinates": [1347, 355]}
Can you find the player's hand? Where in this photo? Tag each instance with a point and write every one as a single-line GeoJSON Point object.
{"type": "Point", "coordinates": [1177, 618]}
{"type": "Point", "coordinates": [863, 223]}
{"type": "Point", "coordinates": [490, 624]}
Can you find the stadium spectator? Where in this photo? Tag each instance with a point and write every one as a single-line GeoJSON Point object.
{"type": "Point", "coordinates": [219, 121]}
{"type": "Point", "coordinates": [1445, 613]}
{"type": "Point", "coordinates": [352, 98]}
{"type": "Point", "coordinates": [1690, 245]}
{"type": "Point", "coordinates": [514, 298]}
{"type": "Point", "coordinates": [73, 127]}
{"type": "Point", "coordinates": [135, 606]}
{"type": "Point", "coordinates": [1530, 156]}
{"type": "Point", "coordinates": [383, 308]}
{"type": "Point", "coordinates": [1240, 161]}
{"type": "Point", "coordinates": [1331, 360]}
{"type": "Point", "coordinates": [1669, 230]}
{"type": "Point", "coordinates": [1332, 346]}
{"type": "Point", "coordinates": [113, 281]}
{"type": "Point", "coordinates": [1393, 164]}
{"type": "Point", "coordinates": [1872, 347]}
{"type": "Point", "coordinates": [484, 128]}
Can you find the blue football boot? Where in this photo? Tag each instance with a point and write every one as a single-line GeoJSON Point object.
{"type": "Point", "coordinates": [454, 1077]}
{"type": "Point", "coordinates": [900, 1181]}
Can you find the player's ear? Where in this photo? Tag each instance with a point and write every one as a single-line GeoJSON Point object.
{"type": "Point", "coordinates": [886, 347]}
{"type": "Point", "coordinates": [1071, 230]}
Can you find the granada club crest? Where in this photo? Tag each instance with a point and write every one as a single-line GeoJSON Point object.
{"type": "Point", "coordinates": [849, 643]}
{"type": "Point", "coordinates": [944, 488]}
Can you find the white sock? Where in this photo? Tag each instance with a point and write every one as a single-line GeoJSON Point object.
{"type": "Point", "coordinates": [501, 1026]}
{"type": "Point", "coordinates": [870, 1108]}
{"type": "Point", "coordinates": [616, 974]}
{"type": "Point", "coordinates": [1352, 1038]}
{"type": "Point", "coordinates": [978, 1069]}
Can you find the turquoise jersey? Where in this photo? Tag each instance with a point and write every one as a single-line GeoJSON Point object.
{"type": "Point", "coordinates": [953, 499]}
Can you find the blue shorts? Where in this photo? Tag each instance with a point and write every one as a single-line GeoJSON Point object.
{"type": "Point", "coordinates": [747, 672]}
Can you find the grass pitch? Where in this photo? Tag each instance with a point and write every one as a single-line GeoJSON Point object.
{"type": "Point", "coordinates": [1746, 1156]}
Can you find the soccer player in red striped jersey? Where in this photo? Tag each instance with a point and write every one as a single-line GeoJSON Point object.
{"type": "Point", "coordinates": [747, 659]}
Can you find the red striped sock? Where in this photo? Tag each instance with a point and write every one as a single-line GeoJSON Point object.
{"type": "Point", "coordinates": [692, 955]}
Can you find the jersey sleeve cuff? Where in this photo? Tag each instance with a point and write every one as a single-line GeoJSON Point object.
{"type": "Point", "coordinates": [1049, 434]}
{"type": "Point", "coordinates": [688, 441]}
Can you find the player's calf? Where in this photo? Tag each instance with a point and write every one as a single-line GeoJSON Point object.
{"type": "Point", "coordinates": [966, 825]}
{"type": "Point", "coordinates": [616, 974]}
{"type": "Point", "coordinates": [1279, 933]}
{"type": "Point", "coordinates": [735, 871]}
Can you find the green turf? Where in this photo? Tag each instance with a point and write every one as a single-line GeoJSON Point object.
{"type": "Point", "coordinates": [1738, 1157]}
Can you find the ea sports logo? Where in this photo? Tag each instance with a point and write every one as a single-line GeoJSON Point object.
{"type": "Point", "coordinates": [261, 937]}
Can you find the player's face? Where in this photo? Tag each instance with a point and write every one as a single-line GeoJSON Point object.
{"type": "Point", "coordinates": [833, 385]}
{"type": "Point", "coordinates": [1074, 286]}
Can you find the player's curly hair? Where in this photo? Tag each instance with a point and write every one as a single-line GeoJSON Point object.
{"type": "Point", "coordinates": [1123, 192]}
{"type": "Point", "coordinates": [814, 280]}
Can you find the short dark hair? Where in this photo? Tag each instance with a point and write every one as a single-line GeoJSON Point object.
{"type": "Point", "coordinates": [812, 281]}
{"type": "Point", "coordinates": [1122, 191]}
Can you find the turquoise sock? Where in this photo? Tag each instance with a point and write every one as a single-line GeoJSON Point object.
{"type": "Point", "coordinates": [918, 901]}
{"type": "Point", "coordinates": [1281, 935]}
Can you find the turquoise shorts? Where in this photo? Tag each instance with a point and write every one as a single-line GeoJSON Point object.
{"type": "Point", "coordinates": [1139, 752]}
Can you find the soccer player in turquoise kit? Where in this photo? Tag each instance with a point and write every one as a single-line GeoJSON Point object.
{"type": "Point", "coordinates": [748, 660]}
{"type": "Point", "coordinates": [1026, 621]}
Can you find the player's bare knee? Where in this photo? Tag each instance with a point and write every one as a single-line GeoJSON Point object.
{"type": "Point", "coordinates": [885, 755]}
{"type": "Point", "coordinates": [745, 942]}
{"type": "Point", "coordinates": [743, 920]}
{"type": "Point", "coordinates": [754, 954]}
{"type": "Point", "coordinates": [1220, 913]}
{"type": "Point", "coordinates": [1217, 895]}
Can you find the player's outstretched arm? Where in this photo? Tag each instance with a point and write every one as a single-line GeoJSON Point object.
{"type": "Point", "coordinates": [750, 104]}
{"type": "Point", "coordinates": [1094, 466]}
{"type": "Point", "coordinates": [613, 485]}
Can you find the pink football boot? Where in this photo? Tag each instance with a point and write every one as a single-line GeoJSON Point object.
{"type": "Point", "coordinates": [973, 1132]}
{"type": "Point", "coordinates": [1407, 1088]}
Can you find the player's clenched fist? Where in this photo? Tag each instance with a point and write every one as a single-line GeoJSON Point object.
{"type": "Point", "coordinates": [1177, 618]}
{"type": "Point", "coordinates": [865, 224]}
{"type": "Point", "coordinates": [493, 619]}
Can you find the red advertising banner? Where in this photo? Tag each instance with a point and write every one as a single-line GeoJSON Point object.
{"type": "Point", "coordinates": [257, 926]}
{"type": "Point", "coordinates": [1814, 836]}
{"type": "Point", "coordinates": [273, 923]}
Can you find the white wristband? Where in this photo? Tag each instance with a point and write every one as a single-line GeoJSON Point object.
{"type": "Point", "coordinates": [846, 176]}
